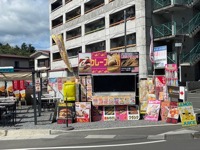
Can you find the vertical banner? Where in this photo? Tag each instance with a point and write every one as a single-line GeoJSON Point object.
{"type": "Point", "coordinates": [63, 53]}
{"type": "Point", "coordinates": [153, 110]}
{"type": "Point", "coordinates": [9, 88]}
{"type": "Point", "coordinates": [173, 113]}
{"type": "Point", "coordinates": [22, 89]}
{"type": "Point", "coordinates": [187, 114]}
{"type": "Point", "coordinates": [16, 88]}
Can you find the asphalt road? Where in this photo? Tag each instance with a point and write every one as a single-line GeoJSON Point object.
{"type": "Point", "coordinates": [126, 139]}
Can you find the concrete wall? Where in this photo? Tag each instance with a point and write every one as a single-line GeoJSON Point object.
{"type": "Point", "coordinates": [11, 62]}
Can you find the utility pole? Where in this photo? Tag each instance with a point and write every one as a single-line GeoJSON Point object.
{"type": "Point", "coordinates": [125, 40]}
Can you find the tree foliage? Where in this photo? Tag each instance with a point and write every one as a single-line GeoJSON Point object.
{"type": "Point", "coordinates": [24, 50]}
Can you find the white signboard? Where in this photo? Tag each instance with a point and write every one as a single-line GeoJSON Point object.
{"type": "Point", "coordinates": [37, 85]}
{"type": "Point", "coordinates": [160, 56]}
{"type": "Point", "coordinates": [182, 93]}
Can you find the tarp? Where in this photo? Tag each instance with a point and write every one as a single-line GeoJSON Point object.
{"type": "Point", "coordinates": [16, 76]}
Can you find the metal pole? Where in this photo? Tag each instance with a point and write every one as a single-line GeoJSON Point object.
{"type": "Point", "coordinates": [125, 40]}
{"type": "Point", "coordinates": [39, 95]}
{"type": "Point", "coordinates": [34, 97]}
{"type": "Point", "coordinates": [67, 125]}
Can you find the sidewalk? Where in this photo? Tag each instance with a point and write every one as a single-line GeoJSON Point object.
{"type": "Point", "coordinates": [25, 124]}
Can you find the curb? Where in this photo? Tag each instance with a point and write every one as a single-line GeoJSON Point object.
{"type": "Point", "coordinates": [24, 132]}
{"type": "Point", "coordinates": [3, 132]}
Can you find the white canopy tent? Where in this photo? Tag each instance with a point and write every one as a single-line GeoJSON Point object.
{"type": "Point", "coordinates": [15, 76]}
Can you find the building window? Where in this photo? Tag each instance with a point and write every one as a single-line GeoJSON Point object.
{"type": "Point", "coordinates": [56, 56]}
{"type": "Point", "coordinates": [43, 62]}
{"type": "Point", "coordinates": [95, 26]}
{"type": "Point", "coordinates": [100, 46]}
{"type": "Point", "coordinates": [74, 52]}
{"type": "Point", "coordinates": [16, 64]}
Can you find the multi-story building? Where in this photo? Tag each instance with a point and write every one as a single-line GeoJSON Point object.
{"type": "Point", "coordinates": [99, 25]}
{"type": "Point", "coordinates": [177, 25]}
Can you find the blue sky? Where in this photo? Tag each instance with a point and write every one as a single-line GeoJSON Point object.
{"type": "Point", "coordinates": [25, 21]}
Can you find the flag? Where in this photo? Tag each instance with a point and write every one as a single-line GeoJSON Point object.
{"type": "Point", "coordinates": [151, 56]}
{"type": "Point", "coordinates": [63, 53]}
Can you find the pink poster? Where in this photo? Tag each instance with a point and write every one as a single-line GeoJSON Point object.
{"type": "Point", "coordinates": [121, 112]}
{"type": "Point", "coordinates": [153, 110]}
{"type": "Point", "coordinates": [99, 62]}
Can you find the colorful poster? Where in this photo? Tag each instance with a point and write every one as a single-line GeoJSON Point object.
{"type": "Point", "coordinates": [99, 62]}
{"type": "Point", "coordinates": [60, 83]}
{"type": "Point", "coordinates": [83, 111]}
{"type": "Point", "coordinates": [84, 64]}
{"type": "Point", "coordinates": [173, 113]}
{"type": "Point", "coordinates": [164, 110]}
{"type": "Point", "coordinates": [64, 112]}
{"type": "Point", "coordinates": [151, 89]}
{"type": "Point", "coordinates": [161, 89]}
{"type": "Point", "coordinates": [133, 112]}
{"type": "Point", "coordinates": [153, 110]}
{"type": "Point", "coordinates": [52, 86]}
{"type": "Point", "coordinates": [171, 74]}
{"type": "Point", "coordinates": [187, 114]}
{"type": "Point", "coordinates": [113, 62]}
{"type": "Point", "coordinates": [109, 113]}
{"type": "Point", "coordinates": [143, 95]}
{"type": "Point", "coordinates": [121, 112]}
{"type": "Point", "coordinates": [129, 62]}
{"type": "Point", "coordinates": [97, 113]}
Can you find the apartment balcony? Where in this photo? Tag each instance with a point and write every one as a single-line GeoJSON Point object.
{"type": "Point", "coordinates": [118, 17]}
{"type": "Point", "coordinates": [99, 46]}
{"type": "Point", "coordinates": [73, 14]}
{"type": "Point", "coordinates": [95, 26]}
{"type": "Point", "coordinates": [67, 1]}
{"type": "Point", "coordinates": [92, 5]}
{"type": "Point", "coordinates": [165, 31]}
{"type": "Point", "coordinates": [118, 43]}
{"type": "Point", "coordinates": [72, 53]}
{"type": "Point", "coordinates": [172, 5]}
{"type": "Point", "coordinates": [56, 5]}
{"type": "Point", "coordinates": [56, 56]}
{"type": "Point", "coordinates": [57, 22]}
{"type": "Point", "coordinates": [72, 34]}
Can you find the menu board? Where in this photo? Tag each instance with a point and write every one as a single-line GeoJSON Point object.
{"type": "Point", "coordinates": [153, 110]}
{"type": "Point", "coordinates": [173, 113]}
{"type": "Point", "coordinates": [109, 113]}
{"type": "Point", "coordinates": [97, 113]}
{"type": "Point", "coordinates": [133, 112]}
{"type": "Point", "coordinates": [84, 64]}
{"type": "Point", "coordinates": [121, 112]}
{"type": "Point", "coordinates": [129, 62]}
{"type": "Point", "coordinates": [99, 63]}
{"type": "Point", "coordinates": [64, 113]}
{"type": "Point", "coordinates": [164, 110]}
{"type": "Point", "coordinates": [83, 111]}
{"type": "Point", "coordinates": [187, 114]}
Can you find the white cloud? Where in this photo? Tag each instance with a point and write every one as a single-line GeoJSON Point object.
{"type": "Point", "coordinates": [25, 21]}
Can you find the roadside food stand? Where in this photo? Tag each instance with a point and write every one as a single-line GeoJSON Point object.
{"type": "Point", "coordinates": [109, 83]}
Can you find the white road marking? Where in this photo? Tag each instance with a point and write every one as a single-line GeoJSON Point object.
{"type": "Point", "coordinates": [100, 136]}
{"type": "Point", "coordinates": [184, 131]}
{"type": "Point", "coordinates": [87, 147]}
